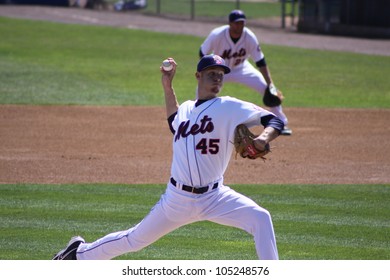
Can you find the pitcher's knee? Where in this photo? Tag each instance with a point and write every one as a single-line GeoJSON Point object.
{"type": "Point", "coordinates": [261, 219]}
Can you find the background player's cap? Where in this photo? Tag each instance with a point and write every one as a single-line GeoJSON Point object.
{"type": "Point", "coordinates": [237, 15]}
{"type": "Point", "coordinates": [212, 60]}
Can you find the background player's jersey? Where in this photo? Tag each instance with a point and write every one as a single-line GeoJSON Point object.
{"type": "Point", "coordinates": [219, 42]}
{"type": "Point", "coordinates": [203, 140]}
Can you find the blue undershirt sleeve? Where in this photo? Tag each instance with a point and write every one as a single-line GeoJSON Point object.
{"type": "Point", "coordinates": [272, 121]}
{"type": "Point", "coordinates": [261, 63]}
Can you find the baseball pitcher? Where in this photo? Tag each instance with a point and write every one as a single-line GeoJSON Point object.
{"type": "Point", "coordinates": [205, 131]}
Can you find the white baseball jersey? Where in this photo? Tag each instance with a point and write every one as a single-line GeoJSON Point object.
{"type": "Point", "coordinates": [204, 136]}
{"type": "Point", "coordinates": [234, 54]}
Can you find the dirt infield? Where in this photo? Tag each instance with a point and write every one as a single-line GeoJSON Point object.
{"type": "Point", "coordinates": [81, 144]}
{"type": "Point", "coordinates": [76, 144]}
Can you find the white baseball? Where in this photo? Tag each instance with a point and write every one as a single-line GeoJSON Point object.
{"type": "Point", "coordinates": [167, 66]}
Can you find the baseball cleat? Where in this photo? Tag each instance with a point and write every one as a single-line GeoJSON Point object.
{"type": "Point", "coordinates": [69, 252]}
{"type": "Point", "coordinates": [286, 131]}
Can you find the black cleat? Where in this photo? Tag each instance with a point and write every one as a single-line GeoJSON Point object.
{"type": "Point", "coordinates": [69, 253]}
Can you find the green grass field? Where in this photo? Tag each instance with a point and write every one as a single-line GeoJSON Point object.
{"type": "Point", "coordinates": [49, 63]}
{"type": "Point", "coordinates": [216, 8]}
{"type": "Point", "coordinates": [311, 222]}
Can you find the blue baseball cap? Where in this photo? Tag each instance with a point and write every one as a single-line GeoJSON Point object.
{"type": "Point", "coordinates": [210, 61]}
{"type": "Point", "coordinates": [237, 15]}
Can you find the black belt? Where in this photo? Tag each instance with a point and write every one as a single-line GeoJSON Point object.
{"type": "Point", "coordinates": [190, 189]}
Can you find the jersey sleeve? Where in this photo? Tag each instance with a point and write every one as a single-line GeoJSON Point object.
{"type": "Point", "coordinates": [254, 114]}
{"type": "Point", "coordinates": [209, 44]}
{"type": "Point", "coordinates": [245, 112]}
{"type": "Point", "coordinates": [254, 50]}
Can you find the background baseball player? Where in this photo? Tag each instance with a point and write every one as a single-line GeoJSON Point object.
{"type": "Point", "coordinates": [204, 132]}
{"type": "Point", "coordinates": [235, 43]}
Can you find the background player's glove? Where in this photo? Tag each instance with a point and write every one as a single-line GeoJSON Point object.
{"type": "Point", "coordinates": [272, 96]}
{"type": "Point", "coordinates": [243, 143]}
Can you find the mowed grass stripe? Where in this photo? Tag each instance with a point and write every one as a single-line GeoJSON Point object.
{"type": "Point", "coordinates": [348, 222]}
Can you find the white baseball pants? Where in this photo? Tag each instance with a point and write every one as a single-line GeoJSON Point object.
{"type": "Point", "coordinates": [177, 208]}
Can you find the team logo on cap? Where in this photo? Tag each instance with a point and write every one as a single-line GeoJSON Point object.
{"type": "Point", "coordinates": [218, 59]}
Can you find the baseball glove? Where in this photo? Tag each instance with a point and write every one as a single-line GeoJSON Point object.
{"type": "Point", "coordinates": [243, 143]}
{"type": "Point", "coordinates": [272, 96]}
